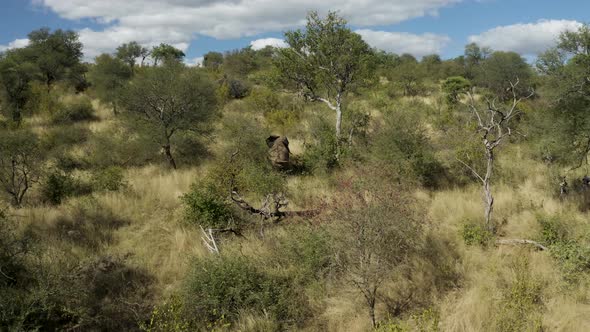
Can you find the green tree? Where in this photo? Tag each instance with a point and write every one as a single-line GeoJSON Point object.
{"type": "Point", "coordinates": [169, 99]}
{"type": "Point", "coordinates": [409, 76]}
{"type": "Point", "coordinates": [566, 70]}
{"type": "Point", "coordinates": [16, 74]}
{"type": "Point", "coordinates": [108, 76]}
{"type": "Point", "coordinates": [130, 52]}
{"type": "Point", "coordinates": [474, 56]}
{"type": "Point", "coordinates": [501, 68]}
{"type": "Point", "coordinates": [20, 163]}
{"type": "Point", "coordinates": [240, 62]}
{"type": "Point", "coordinates": [213, 60]}
{"type": "Point", "coordinates": [374, 238]}
{"type": "Point", "coordinates": [325, 61]}
{"type": "Point", "coordinates": [453, 87]}
{"type": "Point", "coordinates": [58, 54]}
{"type": "Point", "coordinates": [166, 53]}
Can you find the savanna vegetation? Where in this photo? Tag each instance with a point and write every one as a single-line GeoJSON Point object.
{"type": "Point", "coordinates": [324, 186]}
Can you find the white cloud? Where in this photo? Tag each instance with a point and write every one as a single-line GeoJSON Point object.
{"type": "Point", "coordinates": [195, 62]}
{"type": "Point", "coordinates": [525, 38]}
{"type": "Point", "coordinates": [181, 21]}
{"type": "Point", "coordinates": [402, 42]}
{"type": "Point", "coordinates": [17, 43]}
{"type": "Point", "coordinates": [259, 44]}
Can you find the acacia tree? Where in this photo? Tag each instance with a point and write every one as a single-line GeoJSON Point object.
{"type": "Point", "coordinates": [16, 74]}
{"type": "Point", "coordinates": [109, 75]}
{"type": "Point", "coordinates": [129, 53]}
{"type": "Point", "coordinates": [566, 70]}
{"type": "Point", "coordinates": [19, 163]}
{"type": "Point", "coordinates": [169, 99]}
{"type": "Point", "coordinates": [494, 124]}
{"type": "Point", "coordinates": [325, 61]}
{"type": "Point", "coordinates": [166, 53]}
{"type": "Point", "coordinates": [374, 238]}
{"type": "Point", "coordinates": [58, 54]}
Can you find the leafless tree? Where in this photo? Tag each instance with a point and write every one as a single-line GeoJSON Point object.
{"type": "Point", "coordinates": [495, 123]}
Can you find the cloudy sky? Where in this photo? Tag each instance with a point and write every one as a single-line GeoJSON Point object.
{"type": "Point", "coordinates": [418, 27]}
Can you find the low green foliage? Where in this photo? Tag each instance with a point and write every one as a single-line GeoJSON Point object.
{"type": "Point", "coordinates": [453, 87]}
{"type": "Point", "coordinates": [59, 185]}
{"type": "Point", "coordinates": [109, 179]}
{"type": "Point", "coordinates": [204, 205]}
{"type": "Point", "coordinates": [78, 110]}
{"type": "Point", "coordinates": [476, 234]}
{"type": "Point", "coordinates": [221, 288]}
{"type": "Point", "coordinates": [521, 304]}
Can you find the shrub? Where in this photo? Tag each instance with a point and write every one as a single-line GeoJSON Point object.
{"type": "Point", "coordinates": [87, 224]}
{"type": "Point", "coordinates": [109, 179]}
{"type": "Point", "coordinates": [168, 317]}
{"type": "Point", "coordinates": [453, 87]}
{"type": "Point", "coordinates": [203, 205]}
{"type": "Point", "coordinates": [264, 100]}
{"type": "Point", "coordinates": [476, 234]}
{"type": "Point", "coordinates": [220, 288]}
{"type": "Point", "coordinates": [62, 137]}
{"type": "Point", "coordinates": [237, 89]}
{"type": "Point", "coordinates": [320, 153]}
{"type": "Point", "coordinates": [402, 146]}
{"type": "Point", "coordinates": [521, 301]}
{"type": "Point", "coordinates": [119, 146]}
{"type": "Point", "coordinates": [78, 110]}
{"type": "Point", "coordinates": [308, 250]}
{"type": "Point", "coordinates": [552, 230]}
{"type": "Point", "coordinates": [57, 186]}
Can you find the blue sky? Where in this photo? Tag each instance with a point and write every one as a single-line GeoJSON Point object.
{"type": "Point", "coordinates": [197, 26]}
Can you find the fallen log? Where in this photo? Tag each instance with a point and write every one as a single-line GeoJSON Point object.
{"type": "Point", "coordinates": [519, 242]}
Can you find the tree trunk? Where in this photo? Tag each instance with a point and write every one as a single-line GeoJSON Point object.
{"type": "Point", "coordinates": [168, 154]}
{"type": "Point", "coordinates": [338, 125]}
{"type": "Point", "coordinates": [488, 197]}
{"type": "Point", "coordinates": [371, 303]}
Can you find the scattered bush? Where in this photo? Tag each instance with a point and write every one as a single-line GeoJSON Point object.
{"type": "Point", "coordinates": [320, 152]}
{"type": "Point", "coordinates": [521, 301]}
{"type": "Point", "coordinates": [64, 137]}
{"type": "Point", "coordinates": [205, 206]}
{"type": "Point", "coordinates": [236, 89]}
{"type": "Point", "coordinates": [60, 185]}
{"type": "Point", "coordinates": [308, 250]}
{"type": "Point", "coordinates": [402, 146]}
{"type": "Point", "coordinates": [78, 110]}
{"type": "Point", "coordinates": [109, 179]}
{"type": "Point", "coordinates": [221, 288]}
{"type": "Point", "coordinates": [453, 87]}
{"type": "Point", "coordinates": [476, 234]}
{"type": "Point", "coordinates": [119, 146]}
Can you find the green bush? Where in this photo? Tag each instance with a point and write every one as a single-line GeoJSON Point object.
{"type": "Point", "coordinates": [402, 146]}
{"type": "Point", "coordinates": [521, 302]}
{"type": "Point", "coordinates": [204, 206]}
{"type": "Point", "coordinates": [237, 89]}
{"type": "Point", "coordinates": [453, 87]}
{"type": "Point", "coordinates": [60, 185]}
{"type": "Point", "coordinates": [221, 288]}
{"type": "Point", "coordinates": [320, 152]}
{"type": "Point", "coordinates": [552, 230]}
{"type": "Point", "coordinates": [120, 146]}
{"type": "Point", "coordinates": [476, 234]}
{"type": "Point", "coordinates": [109, 179]}
{"type": "Point", "coordinates": [78, 110]}
{"type": "Point", "coordinates": [308, 250]}
{"type": "Point", "coordinates": [61, 137]}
